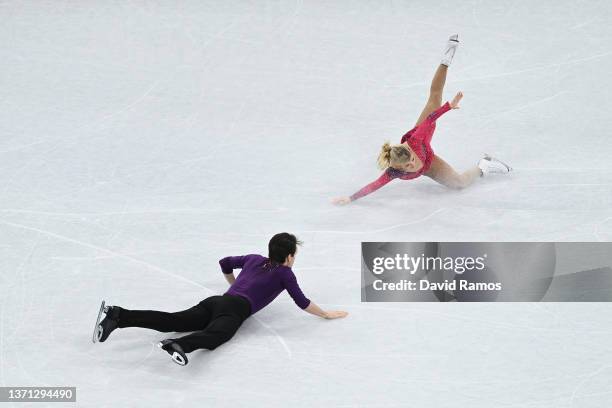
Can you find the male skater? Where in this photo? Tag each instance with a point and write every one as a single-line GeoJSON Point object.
{"type": "Point", "coordinates": [216, 319]}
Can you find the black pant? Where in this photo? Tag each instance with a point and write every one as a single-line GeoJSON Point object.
{"type": "Point", "coordinates": [214, 320]}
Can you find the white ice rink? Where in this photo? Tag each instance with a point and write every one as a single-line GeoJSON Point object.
{"type": "Point", "coordinates": [142, 142]}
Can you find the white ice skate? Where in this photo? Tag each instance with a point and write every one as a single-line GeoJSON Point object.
{"type": "Point", "coordinates": [491, 165]}
{"type": "Point", "coordinates": [449, 51]}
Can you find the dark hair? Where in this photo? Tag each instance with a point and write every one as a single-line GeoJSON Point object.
{"type": "Point", "coordinates": [282, 245]}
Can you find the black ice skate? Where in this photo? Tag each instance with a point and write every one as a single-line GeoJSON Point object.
{"type": "Point", "coordinates": [110, 322]}
{"type": "Point", "coordinates": [175, 351]}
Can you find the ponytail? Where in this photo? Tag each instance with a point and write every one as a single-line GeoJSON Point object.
{"type": "Point", "coordinates": [384, 158]}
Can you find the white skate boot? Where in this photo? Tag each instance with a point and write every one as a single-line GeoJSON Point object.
{"type": "Point", "coordinates": [488, 165]}
{"type": "Point", "coordinates": [449, 51]}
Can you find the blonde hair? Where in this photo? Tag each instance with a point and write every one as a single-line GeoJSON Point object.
{"type": "Point", "coordinates": [392, 156]}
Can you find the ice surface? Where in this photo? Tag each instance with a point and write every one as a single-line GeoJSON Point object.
{"type": "Point", "coordinates": [141, 142]}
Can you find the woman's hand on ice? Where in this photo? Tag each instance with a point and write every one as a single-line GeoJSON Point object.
{"type": "Point", "coordinates": [455, 102]}
{"type": "Point", "coordinates": [335, 314]}
{"type": "Point", "coordinates": [341, 200]}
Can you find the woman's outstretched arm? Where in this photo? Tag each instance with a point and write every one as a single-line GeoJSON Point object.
{"type": "Point", "coordinates": [368, 189]}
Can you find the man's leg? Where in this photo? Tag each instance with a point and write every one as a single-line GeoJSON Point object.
{"type": "Point", "coordinates": [219, 331]}
{"type": "Point", "coordinates": [194, 318]}
{"type": "Point", "coordinates": [228, 313]}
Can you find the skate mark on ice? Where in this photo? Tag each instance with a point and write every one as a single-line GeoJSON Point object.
{"type": "Point", "coordinates": [150, 211]}
{"type": "Point", "coordinates": [598, 227]}
{"type": "Point", "coordinates": [102, 249]}
{"type": "Point", "coordinates": [511, 73]}
{"type": "Point", "coordinates": [380, 229]}
{"type": "Point", "coordinates": [542, 67]}
{"type": "Point", "coordinates": [21, 147]}
{"type": "Point", "coordinates": [584, 23]}
{"type": "Point", "coordinates": [588, 377]}
{"type": "Point", "coordinates": [489, 118]}
{"type": "Point", "coordinates": [275, 333]}
{"type": "Point", "coordinates": [23, 281]}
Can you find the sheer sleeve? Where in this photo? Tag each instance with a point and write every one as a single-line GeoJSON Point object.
{"type": "Point", "coordinates": [373, 186]}
{"type": "Point", "coordinates": [433, 116]}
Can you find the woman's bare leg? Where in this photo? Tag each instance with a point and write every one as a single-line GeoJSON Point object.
{"type": "Point", "coordinates": [435, 93]}
{"type": "Point", "coordinates": [444, 174]}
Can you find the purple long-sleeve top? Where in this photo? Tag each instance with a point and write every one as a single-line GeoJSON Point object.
{"type": "Point", "coordinates": [260, 282]}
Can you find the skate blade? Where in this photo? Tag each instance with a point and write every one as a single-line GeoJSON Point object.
{"type": "Point", "coordinates": [176, 356]}
{"type": "Point", "coordinates": [97, 333]}
{"type": "Point", "coordinates": [489, 157]}
{"type": "Point", "coordinates": [178, 359]}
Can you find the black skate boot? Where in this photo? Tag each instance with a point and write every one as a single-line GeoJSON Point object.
{"type": "Point", "coordinates": [175, 351]}
{"type": "Point", "coordinates": [110, 322]}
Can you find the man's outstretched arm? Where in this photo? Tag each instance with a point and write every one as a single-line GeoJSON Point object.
{"type": "Point", "coordinates": [292, 287]}
{"type": "Point", "coordinates": [329, 314]}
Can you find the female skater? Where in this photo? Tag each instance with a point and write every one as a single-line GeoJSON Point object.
{"type": "Point", "coordinates": [414, 155]}
{"type": "Point", "coordinates": [215, 319]}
